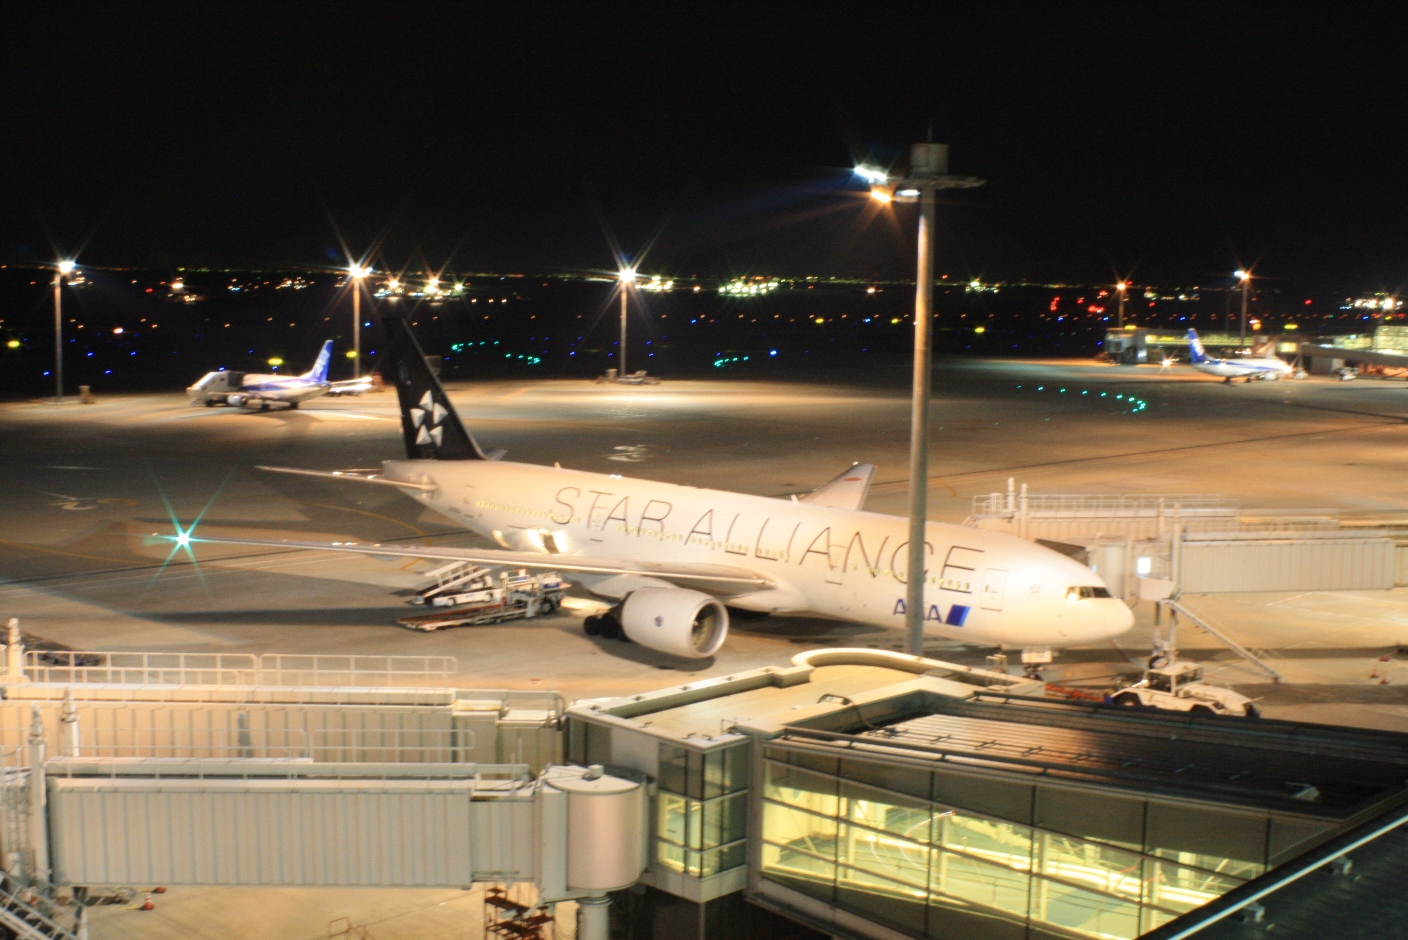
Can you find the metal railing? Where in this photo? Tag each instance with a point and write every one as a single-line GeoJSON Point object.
{"type": "Point", "coordinates": [1077, 505]}
{"type": "Point", "coordinates": [322, 670]}
{"type": "Point", "coordinates": [81, 667]}
{"type": "Point", "coordinates": [74, 667]}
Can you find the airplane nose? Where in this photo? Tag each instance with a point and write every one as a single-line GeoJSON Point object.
{"type": "Point", "coordinates": [1120, 619]}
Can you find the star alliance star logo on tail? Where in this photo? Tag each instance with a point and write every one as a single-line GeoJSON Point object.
{"type": "Point", "coordinates": [427, 418]}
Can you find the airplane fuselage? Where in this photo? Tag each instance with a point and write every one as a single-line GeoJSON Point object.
{"type": "Point", "coordinates": [1243, 368]}
{"type": "Point", "coordinates": [982, 587]}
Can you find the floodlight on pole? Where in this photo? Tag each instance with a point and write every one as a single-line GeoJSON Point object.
{"type": "Point", "coordinates": [1246, 278]}
{"type": "Point", "coordinates": [1123, 288]}
{"type": "Point", "coordinates": [928, 173]}
{"type": "Point", "coordinates": [628, 277]}
{"type": "Point", "coordinates": [356, 272]}
{"type": "Point", "coordinates": [65, 268]}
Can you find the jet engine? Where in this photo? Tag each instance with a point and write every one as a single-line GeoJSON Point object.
{"type": "Point", "coordinates": [675, 620]}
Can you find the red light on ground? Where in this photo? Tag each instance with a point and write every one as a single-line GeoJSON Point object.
{"type": "Point", "coordinates": [1307, 302]}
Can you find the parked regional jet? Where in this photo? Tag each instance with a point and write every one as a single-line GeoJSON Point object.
{"type": "Point", "coordinates": [1229, 369]}
{"type": "Point", "coordinates": [244, 388]}
{"type": "Point", "coordinates": [674, 556]}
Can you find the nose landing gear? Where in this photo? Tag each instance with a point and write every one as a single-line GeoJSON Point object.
{"type": "Point", "coordinates": [1033, 659]}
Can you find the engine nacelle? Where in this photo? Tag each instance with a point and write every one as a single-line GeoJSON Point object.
{"type": "Point", "coordinates": [675, 620]}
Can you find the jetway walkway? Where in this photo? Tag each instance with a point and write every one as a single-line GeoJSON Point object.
{"type": "Point", "coordinates": [133, 769]}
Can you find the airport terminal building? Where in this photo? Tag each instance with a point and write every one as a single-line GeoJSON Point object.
{"type": "Point", "coordinates": [867, 794]}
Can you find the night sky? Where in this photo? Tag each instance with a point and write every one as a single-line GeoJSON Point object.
{"type": "Point", "coordinates": [1168, 142]}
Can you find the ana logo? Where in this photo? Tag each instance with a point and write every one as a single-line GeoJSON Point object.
{"type": "Point", "coordinates": [427, 418]}
{"type": "Point", "coordinates": [659, 621]}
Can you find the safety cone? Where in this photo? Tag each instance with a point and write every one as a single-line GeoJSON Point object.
{"type": "Point", "coordinates": [158, 890]}
{"type": "Point", "coordinates": [147, 905]}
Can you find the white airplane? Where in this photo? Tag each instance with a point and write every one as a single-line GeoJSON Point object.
{"type": "Point", "coordinates": [1229, 369]}
{"type": "Point", "coordinates": [674, 556]}
{"type": "Point", "coordinates": [244, 388]}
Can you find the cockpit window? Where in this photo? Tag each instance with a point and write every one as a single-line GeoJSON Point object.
{"type": "Point", "coordinates": [1085, 592]}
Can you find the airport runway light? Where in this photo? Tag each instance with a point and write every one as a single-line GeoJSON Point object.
{"type": "Point", "coordinates": [928, 173]}
{"type": "Point", "coordinates": [1246, 278]}
{"type": "Point", "coordinates": [628, 277]}
{"type": "Point", "coordinates": [65, 268]}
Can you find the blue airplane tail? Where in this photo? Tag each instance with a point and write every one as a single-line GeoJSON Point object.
{"type": "Point", "coordinates": [319, 372]}
{"type": "Point", "coordinates": [1195, 348]}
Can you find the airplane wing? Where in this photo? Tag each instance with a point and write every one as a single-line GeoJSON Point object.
{"type": "Point", "coordinates": [356, 476]}
{"type": "Point", "coordinates": [349, 386]}
{"type": "Point", "coordinates": [847, 491]}
{"type": "Point", "coordinates": [722, 578]}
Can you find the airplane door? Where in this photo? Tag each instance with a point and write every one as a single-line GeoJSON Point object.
{"type": "Point", "coordinates": [994, 586]}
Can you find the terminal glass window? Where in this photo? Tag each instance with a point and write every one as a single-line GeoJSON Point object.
{"type": "Point", "coordinates": [701, 820]}
{"type": "Point", "coordinates": [927, 866]}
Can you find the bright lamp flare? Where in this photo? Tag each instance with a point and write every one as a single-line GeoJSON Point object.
{"type": "Point", "coordinates": [356, 270]}
{"type": "Point", "coordinates": [871, 174]}
{"type": "Point", "coordinates": [66, 267]}
{"type": "Point", "coordinates": [628, 275]}
{"type": "Point", "coordinates": [880, 194]}
{"type": "Point", "coordinates": [1243, 275]}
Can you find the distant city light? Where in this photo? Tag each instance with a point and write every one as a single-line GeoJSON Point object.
{"type": "Point", "coordinates": [117, 329]}
{"type": "Point", "coordinates": [749, 287]}
{"type": "Point", "coordinates": [15, 344]}
{"type": "Point", "coordinates": [351, 354]}
{"type": "Point", "coordinates": [983, 329]}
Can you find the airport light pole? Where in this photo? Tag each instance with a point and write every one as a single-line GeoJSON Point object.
{"type": "Point", "coordinates": [928, 173]}
{"type": "Point", "coordinates": [1246, 278]}
{"type": "Point", "coordinates": [355, 273]}
{"type": "Point", "coordinates": [1122, 287]}
{"type": "Point", "coordinates": [64, 270]}
{"type": "Point", "coordinates": [628, 277]}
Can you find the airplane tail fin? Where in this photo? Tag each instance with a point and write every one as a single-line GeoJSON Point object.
{"type": "Point", "coordinates": [1195, 348]}
{"type": "Point", "coordinates": [319, 372]}
{"type": "Point", "coordinates": [429, 423]}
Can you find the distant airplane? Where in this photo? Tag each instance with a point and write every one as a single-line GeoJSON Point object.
{"type": "Point", "coordinates": [247, 388]}
{"type": "Point", "coordinates": [674, 556]}
{"type": "Point", "coordinates": [1229, 369]}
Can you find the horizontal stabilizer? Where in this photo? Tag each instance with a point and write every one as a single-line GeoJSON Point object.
{"type": "Point", "coordinates": [847, 491]}
{"type": "Point", "coordinates": [737, 579]}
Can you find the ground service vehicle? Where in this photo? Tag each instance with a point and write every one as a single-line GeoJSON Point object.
{"type": "Point", "coordinates": [1179, 686]}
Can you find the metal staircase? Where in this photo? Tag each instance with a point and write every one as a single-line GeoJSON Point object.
{"type": "Point", "coordinates": [1255, 657]}
{"type": "Point", "coordinates": [30, 916]}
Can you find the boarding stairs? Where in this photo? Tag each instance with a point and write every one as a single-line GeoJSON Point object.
{"type": "Point", "coordinates": [28, 915]}
{"type": "Point", "coordinates": [1256, 657]}
{"type": "Point", "coordinates": [457, 577]}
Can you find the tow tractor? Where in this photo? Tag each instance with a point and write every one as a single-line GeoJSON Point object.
{"type": "Point", "coordinates": [473, 595]}
{"type": "Point", "coordinates": [1175, 684]}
